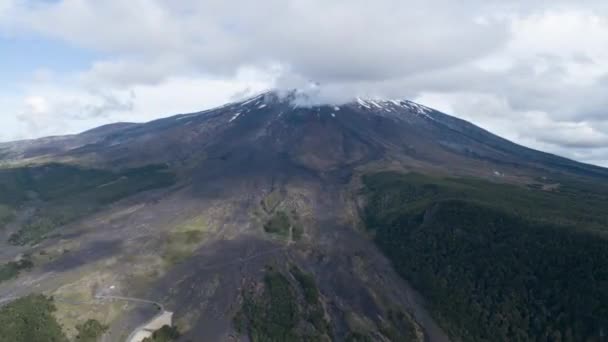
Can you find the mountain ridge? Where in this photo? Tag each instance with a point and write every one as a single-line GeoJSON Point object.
{"type": "Point", "coordinates": [232, 111]}
{"type": "Point", "coordinates": [230, 215]}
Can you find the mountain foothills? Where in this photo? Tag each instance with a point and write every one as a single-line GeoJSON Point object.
{"type": "Point", "coordinates": [267, 220]}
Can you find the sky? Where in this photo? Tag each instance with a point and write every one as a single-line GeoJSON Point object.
{"type": "Point", "coordinates": [534, 72]}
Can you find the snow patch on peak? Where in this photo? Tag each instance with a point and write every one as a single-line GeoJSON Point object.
{"type": "Point", "coordinates": [297, 99]}
{"type": "Point", "coordinates": [256, 98]}
{"type": "Point", "coordinates": [363, 103]}
{"type": "Point", "coordinates": [420, 109]}
{"type": "Point", "coordinates": [234, 117]}
{"type": "Point", "coordinates": [375, 103]}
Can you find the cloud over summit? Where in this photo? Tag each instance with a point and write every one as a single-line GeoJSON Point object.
{"type": "Point", "coordinates": [534, 72]}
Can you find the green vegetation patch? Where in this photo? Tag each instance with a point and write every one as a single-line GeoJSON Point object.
{"type": "Point", "coordinates": [272, 316]}
{"type": "Point", "coordinates": [90, 331]}
{"type": "Point", "coordinates": [573, 203]}
{"type": "Point", "coordinates": [67, 193]}
{"type": "Point", "coordinates": [7, 214]}
{"type": "Point", "coordinates": [283, 225]}
{"type": "Point", "coordinates": [307, 283]}
{"type": "Point", "coordinates": [271, 201]}
{"type": "Point", "coordinates": [358, 337]}
{"type": "Point", "coordinates": [30, 319]}
{"type": "Point", "coordinates": [498, 262]}
{"type": "Point", "coordinates": [36, 230]}
{"type": "Point", "coordinates": [297, 231]}
{"type": "Point", "coordinates": [12, 269]}
{"type": "Point", "coordinates": [181, 244]}
{"type": "Point", "coordinates": [275, 314]}
{"type": "Point", "coordinates": [164, 334]}
{"type": "Point", "coordinates": [184, 238]}
{"type": "Point", "coordinates": [399, 327]}
{"type": "Point", "coordinates": [278, 224]}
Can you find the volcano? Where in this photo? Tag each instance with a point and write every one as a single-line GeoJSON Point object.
{"type": "Point", "coordinates": [320, 139]}
{"type": "Point", "coordinates": [251, 221]}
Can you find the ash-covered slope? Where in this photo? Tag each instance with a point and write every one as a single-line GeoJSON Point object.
{"type": "Point", "coordinates": [238, 217]}
{"type": "Point", "coordinates": [323, 137]}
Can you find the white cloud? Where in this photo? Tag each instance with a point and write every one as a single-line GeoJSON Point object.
{"type": "Point", "coordinates": [37, 105]}
{"type": "Point", "coordinates": [534, 72]}
{"type": "Point", "coordinates": [320, 40]}
{"type": "Point", "coordinates": [51, 109]}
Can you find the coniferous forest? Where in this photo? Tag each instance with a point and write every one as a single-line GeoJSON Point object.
{"type": "Point", "coordinates": [498, 262]}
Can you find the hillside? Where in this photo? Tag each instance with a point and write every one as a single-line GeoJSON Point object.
{"type": "Point", "coordinates": [497, 262]}
{"type": "Point", "coordinates": [267, 220]}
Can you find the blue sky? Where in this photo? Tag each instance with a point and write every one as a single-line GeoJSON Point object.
{"type": "Point", "coordinates": [22, 55]}
{"type": "Point", "coordinates": [533, 72]}
{"type": "Point", "coordinates": [26, 57]}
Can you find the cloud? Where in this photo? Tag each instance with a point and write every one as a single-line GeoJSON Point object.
{"type": "Point", "coordinates": [324, 41]}
{"type": "Point", "coordinates": [533, 71]}
{"type": "Point", "coordinates": [53, 109]}
{"type": "Point", "coordinates": [579, 139]}
{"type": "Point", "coordinates": [42, 115]}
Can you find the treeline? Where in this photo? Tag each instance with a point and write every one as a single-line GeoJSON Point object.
{"type": "Point", "coordinates": [12, 268]}
{"type": "Point", "coordinates": [277, 314]}
{"type": "Point", "coordinates": [65, 193]}
{"type": "Point", "coordinates": [497, 262]}
{"type": "Point", "coordinates": [31, 319]}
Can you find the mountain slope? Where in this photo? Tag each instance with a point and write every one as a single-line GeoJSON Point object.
{"type": "Point", "coordinates": [372, 129]}
{"type": "Point", "coordinates": [231, 215]}
{"type": "Point", "coordinates": [496, 261]}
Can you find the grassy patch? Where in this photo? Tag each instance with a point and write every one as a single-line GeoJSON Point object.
{"type": "Point", "coordinates": [90, 331]}
{"type": "Point", "coordinates": [496, 261]}
{"type": "Point", "coordinates": [180, 245]}
{"type": "Point", "coordinates": [12, 269]}
{"type": "Point", "coordinates": [76, 304]}
{"type": "Point", "coordinates": [183, 239]}
{"type": "Point", "coordinates": [30, 319]}
{"type": "Point", "coordinates": [196, 223]}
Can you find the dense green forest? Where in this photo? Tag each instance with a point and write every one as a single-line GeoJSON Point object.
{"type": "Point", "coordinates": [498, 262]}
{"type": "Point", "coordinates": [63, 193]}
{"type": "Point", "coordinates": [30, 319]}
{"type": "Point", "coordinates": [276, 314]}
